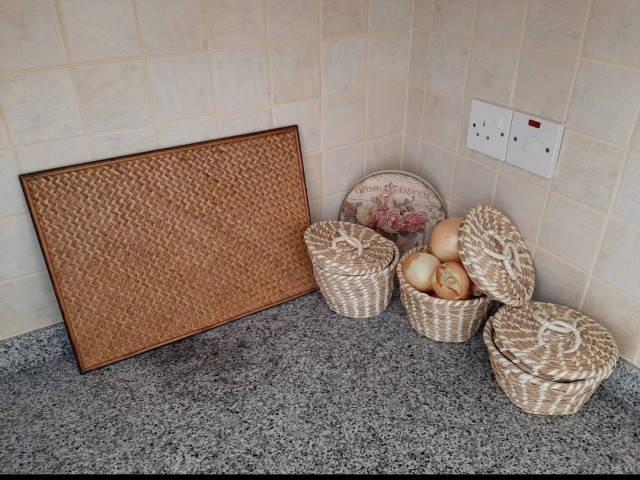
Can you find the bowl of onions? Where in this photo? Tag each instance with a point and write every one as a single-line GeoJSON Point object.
{"type": "Point", "coordinates": [441, 301]}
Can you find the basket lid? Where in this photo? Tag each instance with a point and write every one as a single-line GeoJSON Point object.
{"type": "Point", "coordinates": [554, 342]}
{"type": "Point", "coordinates": [348, 248]}
{"type": "Point", "coordinates": [495, 256]}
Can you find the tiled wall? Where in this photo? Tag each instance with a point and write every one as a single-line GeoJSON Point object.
{"type": "Point", "coordinates": [91, 79]}
{"type": "Point", "coordinates": [573, 61]}
{"type": "Point", "coordinates": [83, 80]}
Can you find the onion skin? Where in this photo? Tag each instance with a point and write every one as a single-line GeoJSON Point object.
{"type": "Point", "coordinates": [450, 281]}
{"type": "Point", "coordinates": [418, 269]}
{"type": "Point", "coordinates": [444, 240]}
{"type": "Point", "coordinates": [474, 290]}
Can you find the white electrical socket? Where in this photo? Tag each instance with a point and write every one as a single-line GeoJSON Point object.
{"type": "Point", "coordinates": [534, 144]}
{"type": "Point", "coordinates": [489, 127]}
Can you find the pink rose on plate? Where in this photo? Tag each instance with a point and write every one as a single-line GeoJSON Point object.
{"type": "Point", "coordinates": [367, 216]}
{"type": "Point", "coordinates": [391, 221]}
{"type": "Point", "coordinates": [414, 221]}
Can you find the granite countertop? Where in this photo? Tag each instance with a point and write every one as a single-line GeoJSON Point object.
{"type": "Point", "coordinates": [299, 389]}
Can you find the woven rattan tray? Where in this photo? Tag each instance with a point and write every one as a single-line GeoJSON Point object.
{"type": "Point", "coordinates": [147, 249]}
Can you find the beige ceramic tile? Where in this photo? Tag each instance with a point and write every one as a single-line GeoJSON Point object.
{"type": "Point", "coordinates": [117, 144]}
{"type": "Point", "coordinates": [619, 262]}
{"type": "Point", "coordinates": [618, 313]}
{"type": "Point", "coordinates": [390, 15]}
{"type": "Point", "coordinates": [19, 249]}
{"type": "Point", "coordinates": [344, 65]}
{"type": "Point", "coordinates": [628, 203]}
{"type": "Point", "coordinates": [181, 86]}
{"type": "Point", "coordinates": [304, 114]}
{"type": "Point", "coordinates": [171, 26]}
{"type": "Point", "coordinates": [40, 106]}
{"type": "Point", "coordinates": [235, 23]}
{"type": "Point", "coordinates": [342, 120]}
{"type": "Point", "coordinates": [315, 210]}
{"type": "Point", "coordinates": [11, 197]}
{"type": "Point", "coordinates": [42, 156]}
{"type": "Point", "coordinates": [342, 168]}
{"type": "Point", "coordinates": [331, 206]}
{"type": "Point", "coordinates": [522, 202]}
{"type": "Point", "coordinates": [571, 231]}
{"type": "Point", "coordinates": [557, 281]}
{"type": "Point", "coordinates": [188, 132]}
{"type": "Point", "coordinates": [454, 16]}
{"type": "Point", "coordinates": [525, 175]}
{"type": "Point", "coordinates": [413, 121]}
{"type": "Point", "coordinates": [543, 84]}
{"type": "Point", "coordinates": [441, 119]}
{"type": "Point", "coordinates": [383, 154]}
{"type": "Point", "coordinates": [98, 30]}
{"type": "Point", "coordinates": [605, 102]}
{"type": "Point", "coordinates": [113, 96]}
{"type": "Point", "coordinates": [29, 35]}
{"type": "Point", "coordinates": [491, 73]}
{"type": "Point", "coordinates": [385, 112]}
{"type": "Point", "coordinates": [635, 141]}
{"type": "Point", "coordinates": [448, 65]}
{"type": "Point", "coordinates": [4, 136]}
{"type": "Point", "coordinates": [241, 123]}
{"type": "Point", "coordinates": [388, 58]}
{"type": "Point", "coordinates": [423, 14]}
{"type": "Point", "coordinates": [500, 20]}
{"type": "Point", "coordinates": [242, 79]}
{"type": "Point", "coordinates": [20, 316]}
{"type": "Point", "coordinates": [313, 174]}
{"type": "Point", "coordinates": [556, 25]}
{"type": "Point", "coordinates": [473, 184]}
{"type": "Point", "coordinates": [613, 34]}
{"type": "Point", "coordinates": [344, 18]}
{"type": "Point", "coordinates": [410, 154]}
{"type": "Point", "coordinates": [295, 71]}
{"type": "Point", "coordinates": [455, 211]}
{"type": "Point", "coordinates": [289, 20]}
{"type": "Point", "coordinates": [419, 59]}
{"type": "Point", "coordinates": [588, 170]}
{"type": "Point", "coordinates": [436, 166]}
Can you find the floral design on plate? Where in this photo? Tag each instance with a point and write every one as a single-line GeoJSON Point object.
{"type": "Point", "coordinates": [398, 205]}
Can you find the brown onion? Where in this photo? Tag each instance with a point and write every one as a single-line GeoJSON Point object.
{"type": "Point", "coordinates": [444, 240]}
{"type": "Point", "coordinates": [418, 268]}
{"type": "Point", "coordinates": [451, 282]}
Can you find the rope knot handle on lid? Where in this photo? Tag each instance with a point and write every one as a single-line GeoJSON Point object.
{"type": "Point", "coordinates": [559, 326]}
{"type": "Point", "coordinates": [343, 236]}
{"type": "Point", "coordinates": [509, 255]}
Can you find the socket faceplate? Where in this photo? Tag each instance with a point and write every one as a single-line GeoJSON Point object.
{"type": "Point", "coordinates": [489, 127]}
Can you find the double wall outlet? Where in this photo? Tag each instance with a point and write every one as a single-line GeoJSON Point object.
{"type": "Point", "coordinates": [489, 129]}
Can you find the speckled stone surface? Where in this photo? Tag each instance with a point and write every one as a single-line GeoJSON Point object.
{"type": "Point", "coordinates": [34, 348]}
{"type": "Point", "coordinates": [298, 389]}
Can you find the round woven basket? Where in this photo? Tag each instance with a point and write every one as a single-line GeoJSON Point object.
{"type": "Point", "coordinates": [534, 394]}
{"type": "Point", "coordinates": [439, 319]}
{"type": "Point", "coordinates": [354, 282]}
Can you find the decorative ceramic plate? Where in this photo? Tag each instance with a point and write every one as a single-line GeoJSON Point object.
{"type": "Point", "coordinates": [398, 205]}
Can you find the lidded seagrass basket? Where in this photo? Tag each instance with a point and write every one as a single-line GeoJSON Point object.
{"type": "Point", "coordinates": [353, 266]}
{"type": "Point", "coordinates": [548, 359]}
{"type": "Point", "coordinates": [496, 258]}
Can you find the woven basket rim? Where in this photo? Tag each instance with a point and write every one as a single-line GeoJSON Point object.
{"type": "Point", "coordinates": [514, 370]}
{"type": "Point", "coordinates": [572, 366]}
{"type": "Point", "coordinates": [422, 296]}
{"type": "Point", "coordinates": [336, 264]}
{"type": "Point", "coordinates": [480, 265]}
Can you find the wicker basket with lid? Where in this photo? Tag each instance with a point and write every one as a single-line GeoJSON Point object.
{"type": "Point", "coordinates": [496, 259]}
{"type": "Point", "coordinates": [353, 266]}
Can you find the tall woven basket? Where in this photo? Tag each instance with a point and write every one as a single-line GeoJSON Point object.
{"type": "Point", "coordinates": [439, 319]}
{"type": "Point", "coordinates": [354, 267]}
{"type": "Point", "coordinates": [548, 372]}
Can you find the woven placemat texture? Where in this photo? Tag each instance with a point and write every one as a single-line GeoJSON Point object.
{"type": "Point", "coordinates": [148, 249]}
